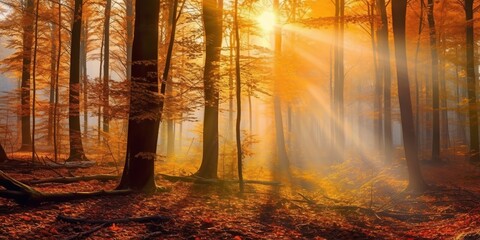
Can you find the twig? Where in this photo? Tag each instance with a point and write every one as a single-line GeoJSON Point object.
{"type": "Point", "coordinates": [88, 233]}
{"type": "Point", "coordinates": [157, 218]}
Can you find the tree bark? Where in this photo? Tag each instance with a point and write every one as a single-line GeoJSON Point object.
{"type": "Point", "coordinates": [145, 103]}
{"type": "Point", "coordinates": [239, 100]}
{"type": "Point", "coordinates": [106, 68]}
{"type": "Point", "coordinates": [384, 52]}
{"type": "Point", "coordinates": [471, 83]}
{"type": "Point", "coordinates": [212, 19]}
{"type": "Point", "coordinates": [27, 37]}
{"type": "Point", "coordinates": [435, 84]}
{"type": "Point", "coordinates": [416, 182]}
{"type": "Point", "coordinates": [76, 146]}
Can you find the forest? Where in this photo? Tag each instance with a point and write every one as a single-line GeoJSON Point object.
{"type": "Point", "coordinates": [239, 119]}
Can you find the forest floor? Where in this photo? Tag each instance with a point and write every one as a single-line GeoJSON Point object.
{"type": "Point", "coordinates": [449, 210]}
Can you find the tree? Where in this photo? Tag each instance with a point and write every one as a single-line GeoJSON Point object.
{"type": "Point", "coordinates": [339, 76]}
{"type": "Point", "coordinates": [384, 52]}
{"type": "Point", "coordinates": [471, 83]}
{"type": "Point", "coordinates": [416, 182]}
{"type": "Point", "coordinates": [76, 146]}
{"type": "Point", "coordinates": [26, 67]}
{"type": "Point", "coordinates": [212, 20]}
{"type": "Point", "coordinates": [284, 162]}
{"type": "Point", "coordinates": [239, 99]}
{"type": "Point", "coordinates": [106, 67]}
{"type": "Point", "coordinates": [145, 103]}
{"type": "Point", "coordinates": [435, 83]}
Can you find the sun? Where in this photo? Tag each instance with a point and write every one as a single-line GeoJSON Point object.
{"type": "Point", "coordinates": [266, 21]}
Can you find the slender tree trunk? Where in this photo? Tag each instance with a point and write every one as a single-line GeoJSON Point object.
{"type": "Point", "coordinates": [170, 35]}
{"type": "Point", "coordinates": [435, 84]}
{"type": "Point", "coordinates": [76, 146]}
{"type": "Point", "coordinates": [471, 83]}
{"type": "Point", "coordinates": [130, 18]}
{"type": "Point", "coordinates": [416, 182]}
{"type": "Point", "coordinates": [27, 37]}
{"type": "Point", "coordinates": [444, 94]}
{"type": "Point", "coordinates": [84, 76]}
{"type": "Point", "coordinates": [239, 100]}
{"type": "Point", "coordinates": [106, 68]}
{"type": "Point", "coordinates": [417, 82]}
{"type": "Point", "coordinates": [212, 18]}
{"type": "Point", "coordinates": [384, 59]}
{"type": "Point", "coordinates": [339, 78]}
{"type": "Point", "coordinates": [57, 77]}
{"type": "Point", "coordinates": [377, 103]}
{"type": "Point", "coordinates": [138, 173]}
{"type": "Point", "coordinates": [284, 162]}
{"type": "Point", "coordinates": [53, 70]}
{"type": "Point", "coordinates": [34, 79]}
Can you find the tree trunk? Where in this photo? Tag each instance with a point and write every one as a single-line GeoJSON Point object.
{"type": "Point", "coordinates": [172, 25]}
{"type": "Point", "coordinates": [435, 84]}
{"type": "Point", "coordinates": [28, 18]}
{"type": "Point", "coordinates": [129, 16]}
{"type": "Point", "coordinates": [416, 182]}
{"type": "Point", "coordinates": [239, 100]}
{"type": "Point", "coordinates": [377, 103]}
{"type": "Point", "coordinates": [106, 68]}
{"type": "Point", "coordinates": [145, 103]}
{"type": "Point", "coordinates": [339, 78]}
{"type": "Point", "coordinates": [53, 69]}
{"type": "Point", "coordinates": [57, 77]}
{"type": "Point", "coordinates": [76, 145]}
{"type": "Point", "coordinates": [471, 83]}
{"type": "Point", "coordinates": [212, 19]}
{"type": "Point", "coordinates": [384, 60]}
{"type": "Point", "coordinates": [84, 76]}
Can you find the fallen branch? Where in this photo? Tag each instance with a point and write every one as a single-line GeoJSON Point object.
{"type": "Point", "coordinates": [196, 179]}
{"type": "Point", "coordinates": [154, 218]}
{"type": "Point", "coordinates": [101, 177]}
{"type": "Point", "coordinates": [89, 232]}
{"type": "Point", "coordinates": [24, 194]}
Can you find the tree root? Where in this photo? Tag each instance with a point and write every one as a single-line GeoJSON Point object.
{"type": "Point", "coordinates": [196, 179]}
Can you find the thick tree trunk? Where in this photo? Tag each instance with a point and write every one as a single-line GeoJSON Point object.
{"type": "Point", "coordinates": [145, 103]}
{"type": "Point", "coordinates": [76, 145]}
{"type": "Point", "coordinates": [416, 182]}
{"type": "Point", "coordinates": [471, 83]}
{"type": "Point", "coordinates": [212, 19]}
{"type": "Point", "coordinates": [435, 84]}
{"type": "Point", "coordinates": [28, 21]}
